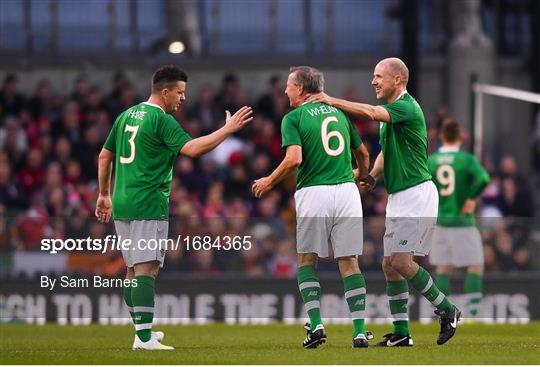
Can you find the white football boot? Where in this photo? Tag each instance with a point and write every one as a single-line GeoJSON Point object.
{"type": "Point", "coordinates": [152, 344]}
{"type": "Point", "coordinates": [158, 335]}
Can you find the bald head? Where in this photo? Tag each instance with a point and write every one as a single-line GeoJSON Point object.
{"type": "Point", "coordinates": [395, 67]}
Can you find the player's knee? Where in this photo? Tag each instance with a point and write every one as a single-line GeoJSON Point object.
{"type": "Point", "coordinates": [398, 264]}
{"type": "Point", "coordinates": [387, 267]}
{"type": "Point", "coordinates": [150, 268]}
{"type": "Point", "coordinates": [348, 266]}
{"type": "Point", "coordinates": [475, 269]}
{"type": "Point", "coordinates": [130, 273]}
{"type": "Point", "coordinates": [444, 270]}
{"type": "Point", "coordinates": [307, 259]}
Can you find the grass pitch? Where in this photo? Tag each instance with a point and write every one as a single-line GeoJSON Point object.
{"type": "Point", "coordinates": [269, 344]}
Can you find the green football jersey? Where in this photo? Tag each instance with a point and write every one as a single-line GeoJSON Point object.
{"type": "Point", "coordinates": [326, 136]}
{"type": "Point", "coordinates": [458, 176]}
{"type": "Point", "coordinates": [404, 145]}
{"type": "Point", "coordinates": [146, 142]}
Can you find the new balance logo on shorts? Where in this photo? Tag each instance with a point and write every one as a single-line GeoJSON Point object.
{"type": "Point", "coordinates": [403, 242]}
{"type": "Point", "coordinates": [389, 235]}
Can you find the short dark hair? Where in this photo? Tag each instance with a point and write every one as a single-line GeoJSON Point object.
{"type": "Point", "coordinates": [451, 130]}
{"type": "Point", "coordinates": [166, 76]}
{"type": "Point", "coordinates": [310, 78]}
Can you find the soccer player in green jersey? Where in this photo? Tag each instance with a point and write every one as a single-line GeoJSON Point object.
{"type": "Point", "coordinates": [319, 139]}
{"type": "Point", "coordinates": [412, 206]}
{"type": "Point", "coordinates": [460, 179]}
{"type": "Point", "coordinates": [143, 144]}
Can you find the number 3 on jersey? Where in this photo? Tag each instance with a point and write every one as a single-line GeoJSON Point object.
{"type": "Point", "coordinates": [447, 178]}
{"type": "Point", "coordinates": [325, 136]}
{"type": "Point", "coordinates": [132, 129]}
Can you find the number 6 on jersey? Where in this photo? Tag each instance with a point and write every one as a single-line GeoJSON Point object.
{"type": "Point", "coordinates": [325, 136]}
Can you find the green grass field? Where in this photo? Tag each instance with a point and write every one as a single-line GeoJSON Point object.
{"type": "Point", "coordinates": [270, 344]}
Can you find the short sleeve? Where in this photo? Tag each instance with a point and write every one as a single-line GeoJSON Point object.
{"type": "Point", "coordinates": [356, 141]}
{"type": "Point", "coordinates": [289, 131]}
{"type": "Point", "coordinates": [172, 134]}
{"type": "Point", "coordinates": [110, 143]}
{"type": "Point", "coordinates": [400, 110]}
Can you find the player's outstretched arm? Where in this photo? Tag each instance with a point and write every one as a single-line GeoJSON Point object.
{"type": "Point", "coordinates": [362, 110]}
{"type": "Point", "coordinates": [204, 144]}
{"type": "Point", "coordinates": [293, 158]}
{"type": "Point", "coordinates": [104, 204]}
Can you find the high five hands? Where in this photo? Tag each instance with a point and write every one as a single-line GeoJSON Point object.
{"type": "Point", "coordinates": [239, 119]}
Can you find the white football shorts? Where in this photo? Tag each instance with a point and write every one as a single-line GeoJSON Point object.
{"type": "Point", "coordinates": [411, 216]}
{"type": "Point", "coordinates": [329, 212]}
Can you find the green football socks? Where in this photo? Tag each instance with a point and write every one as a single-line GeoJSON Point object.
{"type": "Point", "coordinates": [473, 292]}
{"type": "Point", "coordinates": [142, 296]}
{"type": "Point", "coordinates": [127, 298]}
{"type": "Point", "coordinates": [310, 291]}
{"type": "Point", "coordinates": [398, 298]}
{"type": "Point", "coordinates": [355, 295]}
{"type": "Point", "coordinates": [423, 283]}
{"type": "Point", "coordinates": [443, 283]}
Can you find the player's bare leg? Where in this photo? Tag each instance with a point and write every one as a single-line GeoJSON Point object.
{"type": "Point", "coordinates": [310, 291]}
{"type": "Point", "coordinates": [354, 286]}
{"type": "Point", "coordinates": [142, 295]}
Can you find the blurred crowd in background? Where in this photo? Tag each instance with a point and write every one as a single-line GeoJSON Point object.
{"type": "Point", "coordinates": [50, 141]}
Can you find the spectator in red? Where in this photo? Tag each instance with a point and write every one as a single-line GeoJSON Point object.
{"type": "Point", "coordinates": [33, 226]}
{"type": "Point", "coordinates": [31, 176]}
{"type": "Point", "coordinates": [283, 263]}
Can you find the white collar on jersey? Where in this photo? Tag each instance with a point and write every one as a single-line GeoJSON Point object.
{"type": "Point", "coordinates": [154, 105]}
{"type": "Point", "coordinates": [401, 95]}
{"type": "Point", "coordinates": [449, 149]}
